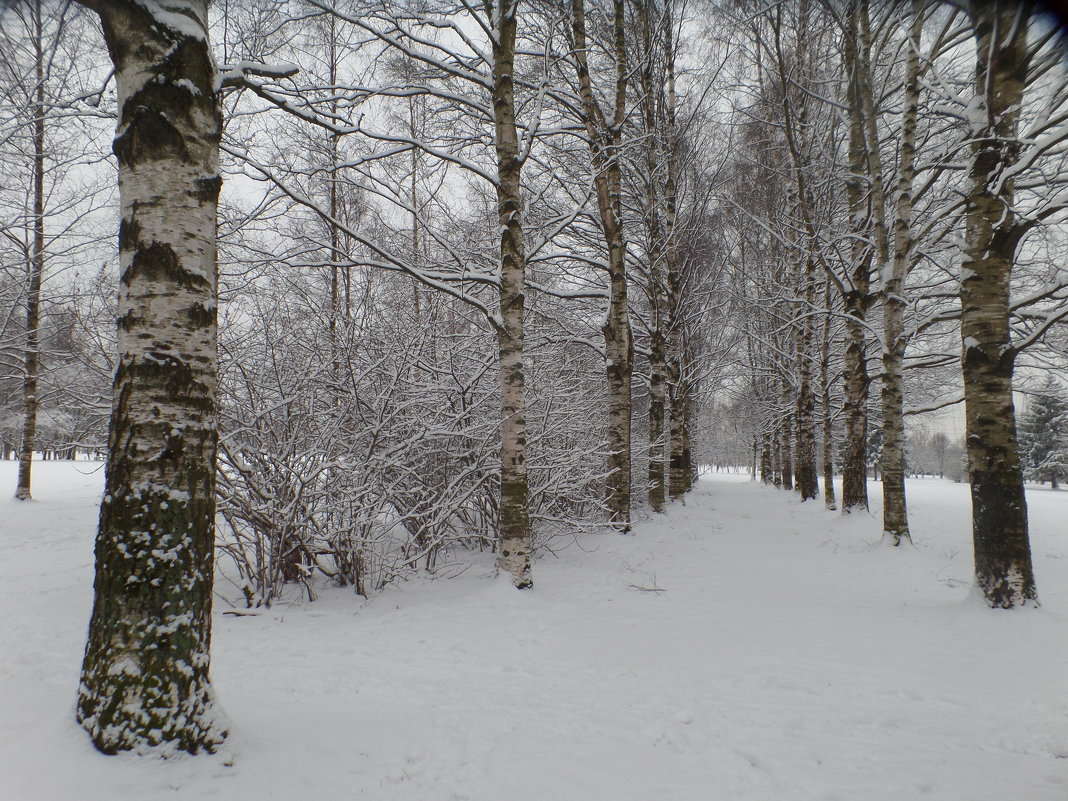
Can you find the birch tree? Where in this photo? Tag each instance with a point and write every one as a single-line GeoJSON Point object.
{"type": "Point", "coordinates": [857, 295]}
{"type": "Point", "coordinates": [144, 680]}
{"type": "Point", "coordinates": [680, 387]}
{"type": "Point", "coordinates": [604, 129]}
{"type": "Point", "coordinates": [36, 30]}
{"type": "Point", "coordinates": [1003, 566]}
{"type": "Point", "coordinates": [891, 206]}
{"type": "Point", "coordinates": [473, 73]}
{"type": "Point", "coordinates": [48, 200]}
{"type": "Point", "coordinates": [656, 241]}
{"type": "Point", "coordinates": [515, 511]}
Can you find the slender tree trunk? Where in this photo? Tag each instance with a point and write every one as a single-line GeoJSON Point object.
{"type": "Point", "coordinates": [514, 557]}
{"type": "Point", "coordinates": [689, 413]}
{"type": "Point", "coordinates": [619, 352]}
{"type": "Point", "coordinates": [144, 679]}
{"type": "Point", "coordinates": [825, 403]}
{"type": "Point", "coordinates": [856, 299]}
{"type": "Point", "coordinates": [31, 356]}
{"type": "Point", "coordinates": [787, 454]}
{"type": "Point", "coordinates": [335, 258]}
{"type": "Point", "coordinates": [1003, 566]}
{"type": "Point", "coordinates": [786, 430]}
{"type": "Point", "coordinates": [767, 471]}
{"type": "Point", "coordinates": [655, 236]}
{"type": "Point", "coordinates": [807, 481]}
{"type": "Point", "coordinates": [855, 401]}
{"type": "Point", "coordinates": [679, 480]}
{"type": "Point", "coordinates": [776, 454]}
{"type": "Point", "coordinates": [618, 338]}
{"type": "Point", "coordinates": [895, 508]}
{"type": "Point", "coordinates": [805, 410]}
{"type": "Point", "coordinates": [679, 458]}
{"type": "Point", "coordinates": [657, 412]}
{"type": "Point", "coordinates": [795, 131]}
{"type": "Point", "coordinates": [335, 231]}
{"type": "Point", "coordinates": [605, 143]}
{"type": "Point", "coordinates": [415, 131]}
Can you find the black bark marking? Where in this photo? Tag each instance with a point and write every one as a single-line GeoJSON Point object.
{"type": "Point", "coordinates": [157, 261]}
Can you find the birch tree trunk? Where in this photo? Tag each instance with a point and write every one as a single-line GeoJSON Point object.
{"type": "Point", "coordinates": [856, 299]}
{"type": "Point", "coordinates": [895, 508]}
{"type": "Point", "coordinates": [657, 411]}
{"type": "Point", "coordinates": [515, 547]}
{"type": "Point", "coordinates": [787, 453]}
{"type": "Point", "coordinates": [796, 133]}
{"type": "Point", "coordinates": [678, 438]}
{"type": "Point", "coordinates": [785, 433]}
{"type": "Point", "coordinates": [605, 137]}
{"type": "Point", "coordinates": [655, 235]}
{"type": "Point", "coordinates": [144, 680]}
{"type": "Point", "coordinates": [776, 454]}
{"type": "Point", "coordinates": [1003, 568]}
{"type": "Point", "coordinates": [679, 474]}
{"type": "Point", "coordinates": [767, 472]}
{"type": "Point", "coordinates": [807, 480]}
{"type": "Point", "coordinates": [32, 352]}
{"type": "Point", "coordinates": [855, 402]}
{"type": "Point", "coordinates": [618, 339]}
{"type": "Point", "coordinates": [825, 403]}
{"type": "Point", "coordinates": [334, 155]}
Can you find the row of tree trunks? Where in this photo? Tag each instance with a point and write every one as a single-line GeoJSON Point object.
{"type": "Point", "coordinates": [994, 230]}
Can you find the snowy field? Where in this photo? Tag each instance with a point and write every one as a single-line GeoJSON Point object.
{"type": "Point", "coordinates": [743, 647]}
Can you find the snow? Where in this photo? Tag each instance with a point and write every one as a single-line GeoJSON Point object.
{"type": "Point", "coordinates": [745, 646]}
{"type": "Point", "coordinates": [181, 16]}
{"type": "Point", "coordinates": [235, 74]}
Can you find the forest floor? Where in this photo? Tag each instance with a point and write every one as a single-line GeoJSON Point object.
{"type": "Point", "coordinates": [742, 647]}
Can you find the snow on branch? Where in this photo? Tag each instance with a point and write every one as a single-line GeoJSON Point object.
{"type": "Point", "coordinates": [238, 74]}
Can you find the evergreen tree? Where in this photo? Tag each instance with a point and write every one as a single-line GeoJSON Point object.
{"type": "Point", "coordinates": [875, 451]}
{"type": "Point", "coordinates": [1044, 435]}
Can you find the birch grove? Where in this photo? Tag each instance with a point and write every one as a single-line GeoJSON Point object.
{"type": "Point", "coordinates": [908, 128]}
{"type": "Point", "coordinates": [405, 281]}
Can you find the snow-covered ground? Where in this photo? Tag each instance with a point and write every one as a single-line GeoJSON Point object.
{"type": "Point", "coordinates": [742, 647]}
